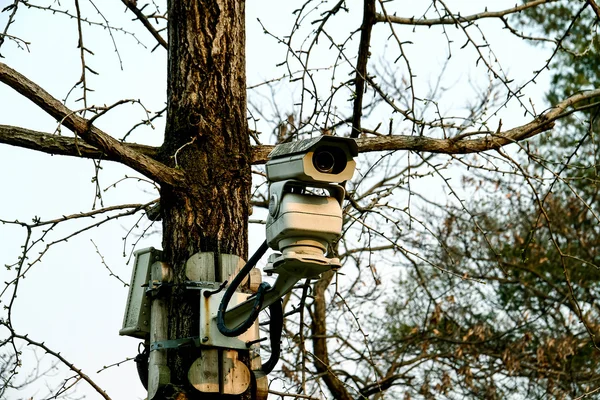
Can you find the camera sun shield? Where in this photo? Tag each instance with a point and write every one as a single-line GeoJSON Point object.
{"type": "Point", "coordinates": [327, 159]}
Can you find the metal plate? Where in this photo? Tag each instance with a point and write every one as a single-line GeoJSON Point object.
{"type": "Point", "coordinates": [209, 332]}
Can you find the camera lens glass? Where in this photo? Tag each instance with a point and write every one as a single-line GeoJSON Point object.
{"type": "Point", "coordinates": [324, 161]}
{"type": "Point", "coordinates": [329, 160]}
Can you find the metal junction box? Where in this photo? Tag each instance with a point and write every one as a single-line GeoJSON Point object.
{"type": "Point", "coordinates": [136, 322]}
{"type": "Point", "coordinates": [209, 332]}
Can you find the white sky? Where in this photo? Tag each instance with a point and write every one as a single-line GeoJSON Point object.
{"type": "Point", "coordinates": [68, 300]}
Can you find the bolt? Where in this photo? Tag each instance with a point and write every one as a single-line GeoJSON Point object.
{"type": "Point", "coordinates": [251, 342]}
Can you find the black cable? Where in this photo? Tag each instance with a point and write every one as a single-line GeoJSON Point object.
{"type": "Point", "coordinates": [275, 329]}
{"type": "Point", "coordinates": [244, 326]}
{"type": "Point", "coordinates": [141, 362]}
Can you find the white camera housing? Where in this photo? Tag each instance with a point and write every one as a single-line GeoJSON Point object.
{"type": "Point", "coordinates": [305, 201]}
{"type": "Point", "coordinates": [297, 216]}
{"type": "Point", "coordinates": [326, 159]}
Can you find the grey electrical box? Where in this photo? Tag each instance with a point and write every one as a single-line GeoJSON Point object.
{"type": "Point", "coordinates": [136, 322]}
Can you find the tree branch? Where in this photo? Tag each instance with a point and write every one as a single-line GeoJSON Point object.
{"type": "Point", "coordinates": [72, 367]}
{"type": "Point", "coordinates": [132, 5]}
{"type": "Point", "coordinates": [62, 145]}
{"type": "Point", "coordinates": [80, 126]}
{"type": "Point", "coordinates": [319, 335]}
{"type": "Point", "coordinates": [361, 64]}
{"type": "Point", "coordinates": [595, 8]}
{"type": "Point", "coordinates": [460, 144]}
{"type": "Point", "coordinates": [451, 20]}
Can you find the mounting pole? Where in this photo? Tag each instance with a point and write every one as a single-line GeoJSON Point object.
{"type": "Point", "coordinates": [158, 372]}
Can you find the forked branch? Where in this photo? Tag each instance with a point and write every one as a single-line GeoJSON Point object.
{"type": "Point", "coordinates": [82, 127]}
{"type": "Point", "coordinates": [71, 366]}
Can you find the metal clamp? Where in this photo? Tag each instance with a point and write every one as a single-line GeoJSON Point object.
{"type": "Point", "coordinates": [208, 293]}
{"type": "Point", "coordinates": [156, 288]}
{"type": "Point", "coordinates": [202, 285]}
{"type": "Point", "coordinates": [175, 343]}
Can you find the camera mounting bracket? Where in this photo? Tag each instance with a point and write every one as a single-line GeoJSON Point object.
{"type": "Point", "coordinates": [290, 267]}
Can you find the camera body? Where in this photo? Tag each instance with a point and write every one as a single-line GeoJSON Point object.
{"type": "Point", "coordinates": [305, 219]}
{"type": "Point", "coordinates": [305, 202]}
{"type": "Point", "coordinates": [326, 159]}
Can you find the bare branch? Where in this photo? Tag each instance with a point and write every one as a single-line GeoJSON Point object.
{"type": "Point", "coordinates": [72, 367]}
{"type": "Point", "coordinates": [11, 19]}
{"type": "Point", "coordinates": [319, 335]}
{"type": "Point", "coordinates": [595, 8]}
{"type": "Point", "coordinates": [94, 136]}
{"type": "Point", "coordinates": [460, 144]}
{"type": "Point", "coordinates": [104, 25]}
{"type": "Point", "coordinates": [131, 4]}
{"type": "Point", "coordinates": [361, 64]}
{"type": "Point", "coordinates": [292, 395]}
{"type": "Point", "coordinates": [62, 145]}
{"type": "Point", "coordinates": [452, 20]}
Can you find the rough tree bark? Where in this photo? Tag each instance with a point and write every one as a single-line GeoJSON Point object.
{"type": "Point", "coordinates": [206, 137]}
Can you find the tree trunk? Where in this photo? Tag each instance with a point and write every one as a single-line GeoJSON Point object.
{"type": "Point", "coordinates": [206, 137]}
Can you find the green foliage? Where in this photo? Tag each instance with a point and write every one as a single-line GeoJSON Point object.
{"type": "Point", "coordinates": [574, 26]}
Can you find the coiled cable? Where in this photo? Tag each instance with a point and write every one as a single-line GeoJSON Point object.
{"type": "Point", "coordinates": [263, 287]}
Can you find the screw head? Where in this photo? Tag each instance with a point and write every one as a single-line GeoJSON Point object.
{"type": "Point", "coordinates": [273, 205]}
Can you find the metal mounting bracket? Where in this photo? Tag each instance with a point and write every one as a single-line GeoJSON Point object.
{"type": "Point", "coordinates": [209, 332]}
{"type": "Point", "coordinates": [175, 343]}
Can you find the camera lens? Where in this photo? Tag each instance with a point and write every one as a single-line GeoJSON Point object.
{"type": "Point", "coordinates": [324, 161]}
{"type": "Point", "coordinates": [329, 160]}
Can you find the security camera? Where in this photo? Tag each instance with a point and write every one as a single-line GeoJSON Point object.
{"type": "Point", "coordinates": [323, 159]}
{"type": "Point", "coordinates": [304, 221]}
{"type": "Point", "coordinates": [305, 202]}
